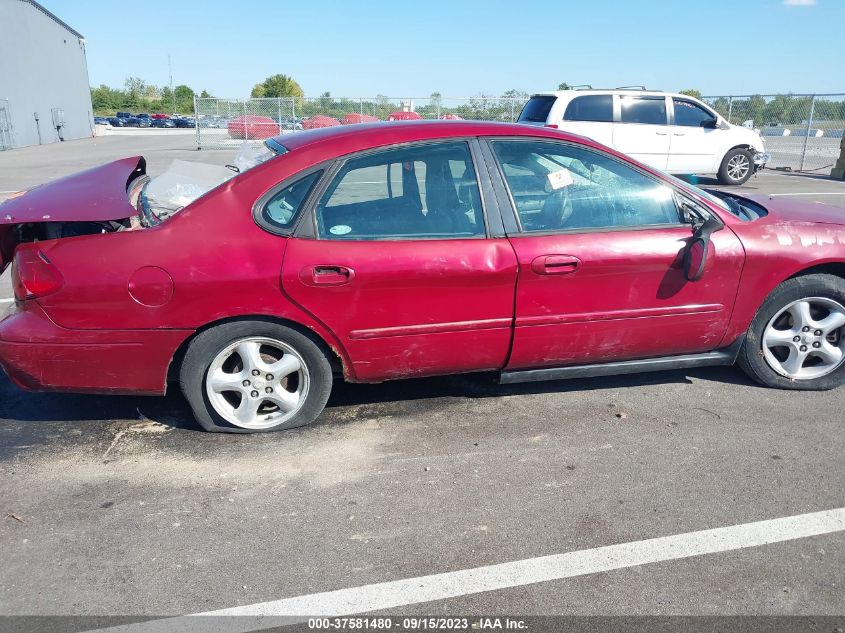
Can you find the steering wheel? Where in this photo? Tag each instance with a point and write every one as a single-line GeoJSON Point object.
{"type": "Point", "coordinates": [557, 209]}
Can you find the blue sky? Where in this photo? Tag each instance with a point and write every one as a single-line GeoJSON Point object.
{"type": "Point", "coordinates": [465, 47]}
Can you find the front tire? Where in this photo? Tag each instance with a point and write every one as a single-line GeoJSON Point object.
{"type": "Point", "coordinates": [253, 376]}
{"type": "Point", "coordinates": [797, 338]}
{"type": "Point", "coordinates": [737, 167]}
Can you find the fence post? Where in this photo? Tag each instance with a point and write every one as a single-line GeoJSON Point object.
{"type": "Point", "coordinates": [197, 122]}
{"type": "Point", "coordinates": [279, 112]}
{"type": "Point", "coordinates": [511, 110]}
{"type": "Point", "coordinates": [246, 126]}
{"type": "Point", "coordinates": [730, 107]}
{"type": "Point", "coordinates": [807, 132]}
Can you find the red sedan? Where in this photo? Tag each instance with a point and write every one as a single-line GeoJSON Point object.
{"type": "Point", "coordinates": [252, 126]}
{"type": "Point", "coordinates": [375, 252]}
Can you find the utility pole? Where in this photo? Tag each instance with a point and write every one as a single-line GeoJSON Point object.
{"type": "Point", "coordinates": [172, 94]}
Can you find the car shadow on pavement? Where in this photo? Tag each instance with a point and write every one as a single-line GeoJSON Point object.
{"type": "Point", "coordinates": [19, 407]}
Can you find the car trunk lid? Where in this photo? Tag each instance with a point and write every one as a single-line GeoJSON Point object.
{"type": "Point", "coordinates": [93, 195]}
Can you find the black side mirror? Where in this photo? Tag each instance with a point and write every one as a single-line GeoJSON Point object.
{"type": "Point", "coordinates": [710, 124]}
{"type": "Point", "coordinates": [695, 255]}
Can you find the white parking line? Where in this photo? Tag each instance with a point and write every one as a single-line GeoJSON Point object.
{"type": "Point", "coordinates": [808, 193]}
{"type": "Point", "coordinates": [6, 300]}
{"type": "Point", "coordinates": [399, 593]}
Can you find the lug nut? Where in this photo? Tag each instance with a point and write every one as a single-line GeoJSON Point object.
{"type": "Point", "coordinates": [803, 348]}
{"type": "Point", "coordinates": [269, 376]}
{"type": "Point", "coordinates": [255, 372]}
{"type": "Point", "coordinates": [817, 344]}
{"type": "Point", "coordinates": [806, 328]}
{"type": "Point", "coordinates": [254, 394]}
{"type": "Point", "coordinates": [796, 339]}
{"type": "Point", "coordinates": [268, 390]}
{"type": "Point", "coordinates": [246, 383]}
{"type": "Point", "coordinates": [818, 332]}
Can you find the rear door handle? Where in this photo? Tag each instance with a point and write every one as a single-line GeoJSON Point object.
{"type": "Point", "coordinates": [326, 275]}
{"type": "Point", "coordinates": [555, 264]}
{"type": "Point", "coordinates": [678, 133]}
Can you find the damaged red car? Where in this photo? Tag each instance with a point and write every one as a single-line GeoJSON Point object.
{"type": "Point", "coordinates": [372, 252]}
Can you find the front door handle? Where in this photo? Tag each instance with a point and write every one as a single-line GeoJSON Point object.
{"type": "Point", "coordinates": [326, 275]}
{"type": "Point", "coordinates": [555, 264]}
{"type": "Point", "coordinates": [662, 133]}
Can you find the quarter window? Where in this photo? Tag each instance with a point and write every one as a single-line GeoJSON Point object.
{"type": "Point", "coordinates": [648, 110]}
{"type": "Point", "coordinates": [280, 211]}
{"type": "Point", "coordinates": [590, 108]}
{"type": "Point", "coordinates": [689, 114]}
{"type": "Point", "coordinates": [537, 109]}
{"type": "Point", "coordinates": [562, 187]}
{"type": "Point", "coordinates": [426, 191]}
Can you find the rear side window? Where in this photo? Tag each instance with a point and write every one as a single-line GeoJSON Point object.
{"type": "Point", "coordinates": [590, 108]}
{"type": "Point", "coordinates": [651, 111]}
{"type": "Point", "coordinates": [537, 109]}
{"type": "Point", "coordinates": [421, 192]}
{"type": "Point", "coordinates": [280, 211]}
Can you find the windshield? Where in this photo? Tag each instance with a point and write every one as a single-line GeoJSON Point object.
{"type": "Point", "coordinates": [185, 181]}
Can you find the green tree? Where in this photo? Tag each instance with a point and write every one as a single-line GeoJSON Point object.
{"type": "Point", "coordinates": [277, 86]}
{"type": "Point", "coordinates": [563, 86]}
{"type": "Point", "coordinates": [691, 92]}
{"type": "Point", "coordinates": [205, 95]}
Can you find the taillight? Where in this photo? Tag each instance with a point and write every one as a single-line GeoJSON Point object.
{"type": "Point", "coordinates": [552, 125]}
{"type": "Point", "coordinates": [33, 275]}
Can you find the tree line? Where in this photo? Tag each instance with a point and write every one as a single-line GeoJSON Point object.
{"type": "Point", "coordinates": [139, 96]}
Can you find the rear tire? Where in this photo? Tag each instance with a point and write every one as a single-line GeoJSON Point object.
{"type": "Point", "coordinates": [737, 167]}
{"type": "Point", "coordinates": [810, 309]}
{"type": "Point", "coordinates": [254, 376]}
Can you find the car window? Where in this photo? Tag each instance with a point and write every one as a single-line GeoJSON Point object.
{"type": "Point", "coordinates": [425, 191]}
{"type": "Point", "coordinates": [537, 109]}
{"type": "Point", "coordinates": [689, 114]}
{"type": "Point", "coordinates": [282, 209]}
{"type": "Point", "coordinates": [649, 110]}
{"type": "Point", "coordinates": [563, 187]}
{"type": "Point", "coordinates": [590, 108]}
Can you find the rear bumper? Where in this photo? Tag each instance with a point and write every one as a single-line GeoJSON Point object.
{"type": "Point", "coordinates": [38, 355]}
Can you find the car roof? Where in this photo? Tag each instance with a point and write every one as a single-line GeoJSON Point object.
{"type": "Point", "coordinates": [361, 135]}
{"type": "Point", "coordinates": [609, 91]}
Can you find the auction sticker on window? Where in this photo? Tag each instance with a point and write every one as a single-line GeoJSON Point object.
{"type": "Point", "coordinates": [560, 179]}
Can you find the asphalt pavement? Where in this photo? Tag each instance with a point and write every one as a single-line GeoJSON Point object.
{"type": "Point", "coordinates": [122, 505]}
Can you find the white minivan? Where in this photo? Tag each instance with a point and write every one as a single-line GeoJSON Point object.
{"type": "Point", "coordinates": [668, 131]}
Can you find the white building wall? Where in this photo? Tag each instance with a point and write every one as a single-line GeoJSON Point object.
{"type": "Point", "coordinates": [42, 66]}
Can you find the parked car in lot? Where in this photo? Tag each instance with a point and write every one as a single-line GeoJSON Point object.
{"type": "Point", "coordinates": [252, 126]}
{"type": "Point", "coordinates": [668, 131]}
{"type": "Point", "coordinates": [318, 121]}
{"type": "Point", "coordinates": [163, 123]}
{"type": "Point", "coordinates": [403, 116]}
{"type": "Point", "coordinates": [185, 121]}
{"type": "Point", "coordinates": [356, 117]}
{"type": "Point", "coordinates": [117, 121]}
{"type": "Point", "coordinates": [377, 252]}
{"type": "Point", "coordinates": [101, 120]}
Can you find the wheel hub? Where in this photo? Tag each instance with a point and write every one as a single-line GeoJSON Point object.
{"type": "Point", "coordinates": [803, 340]}
{"type": "Point", "coordinates": [257, 383]}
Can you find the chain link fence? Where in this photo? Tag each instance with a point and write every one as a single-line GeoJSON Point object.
{"type": "Point", "coordinates": [802, 131]}
{"type": "Point", "coordinates": [223, 123]}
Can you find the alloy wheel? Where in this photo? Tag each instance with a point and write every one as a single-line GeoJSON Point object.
{"type": "Point", "coordinates": [804, 340]}
{"type": "Point", "coordinates": [738, 166]}
{"type": "Point", "coordinates": [257, 383]}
